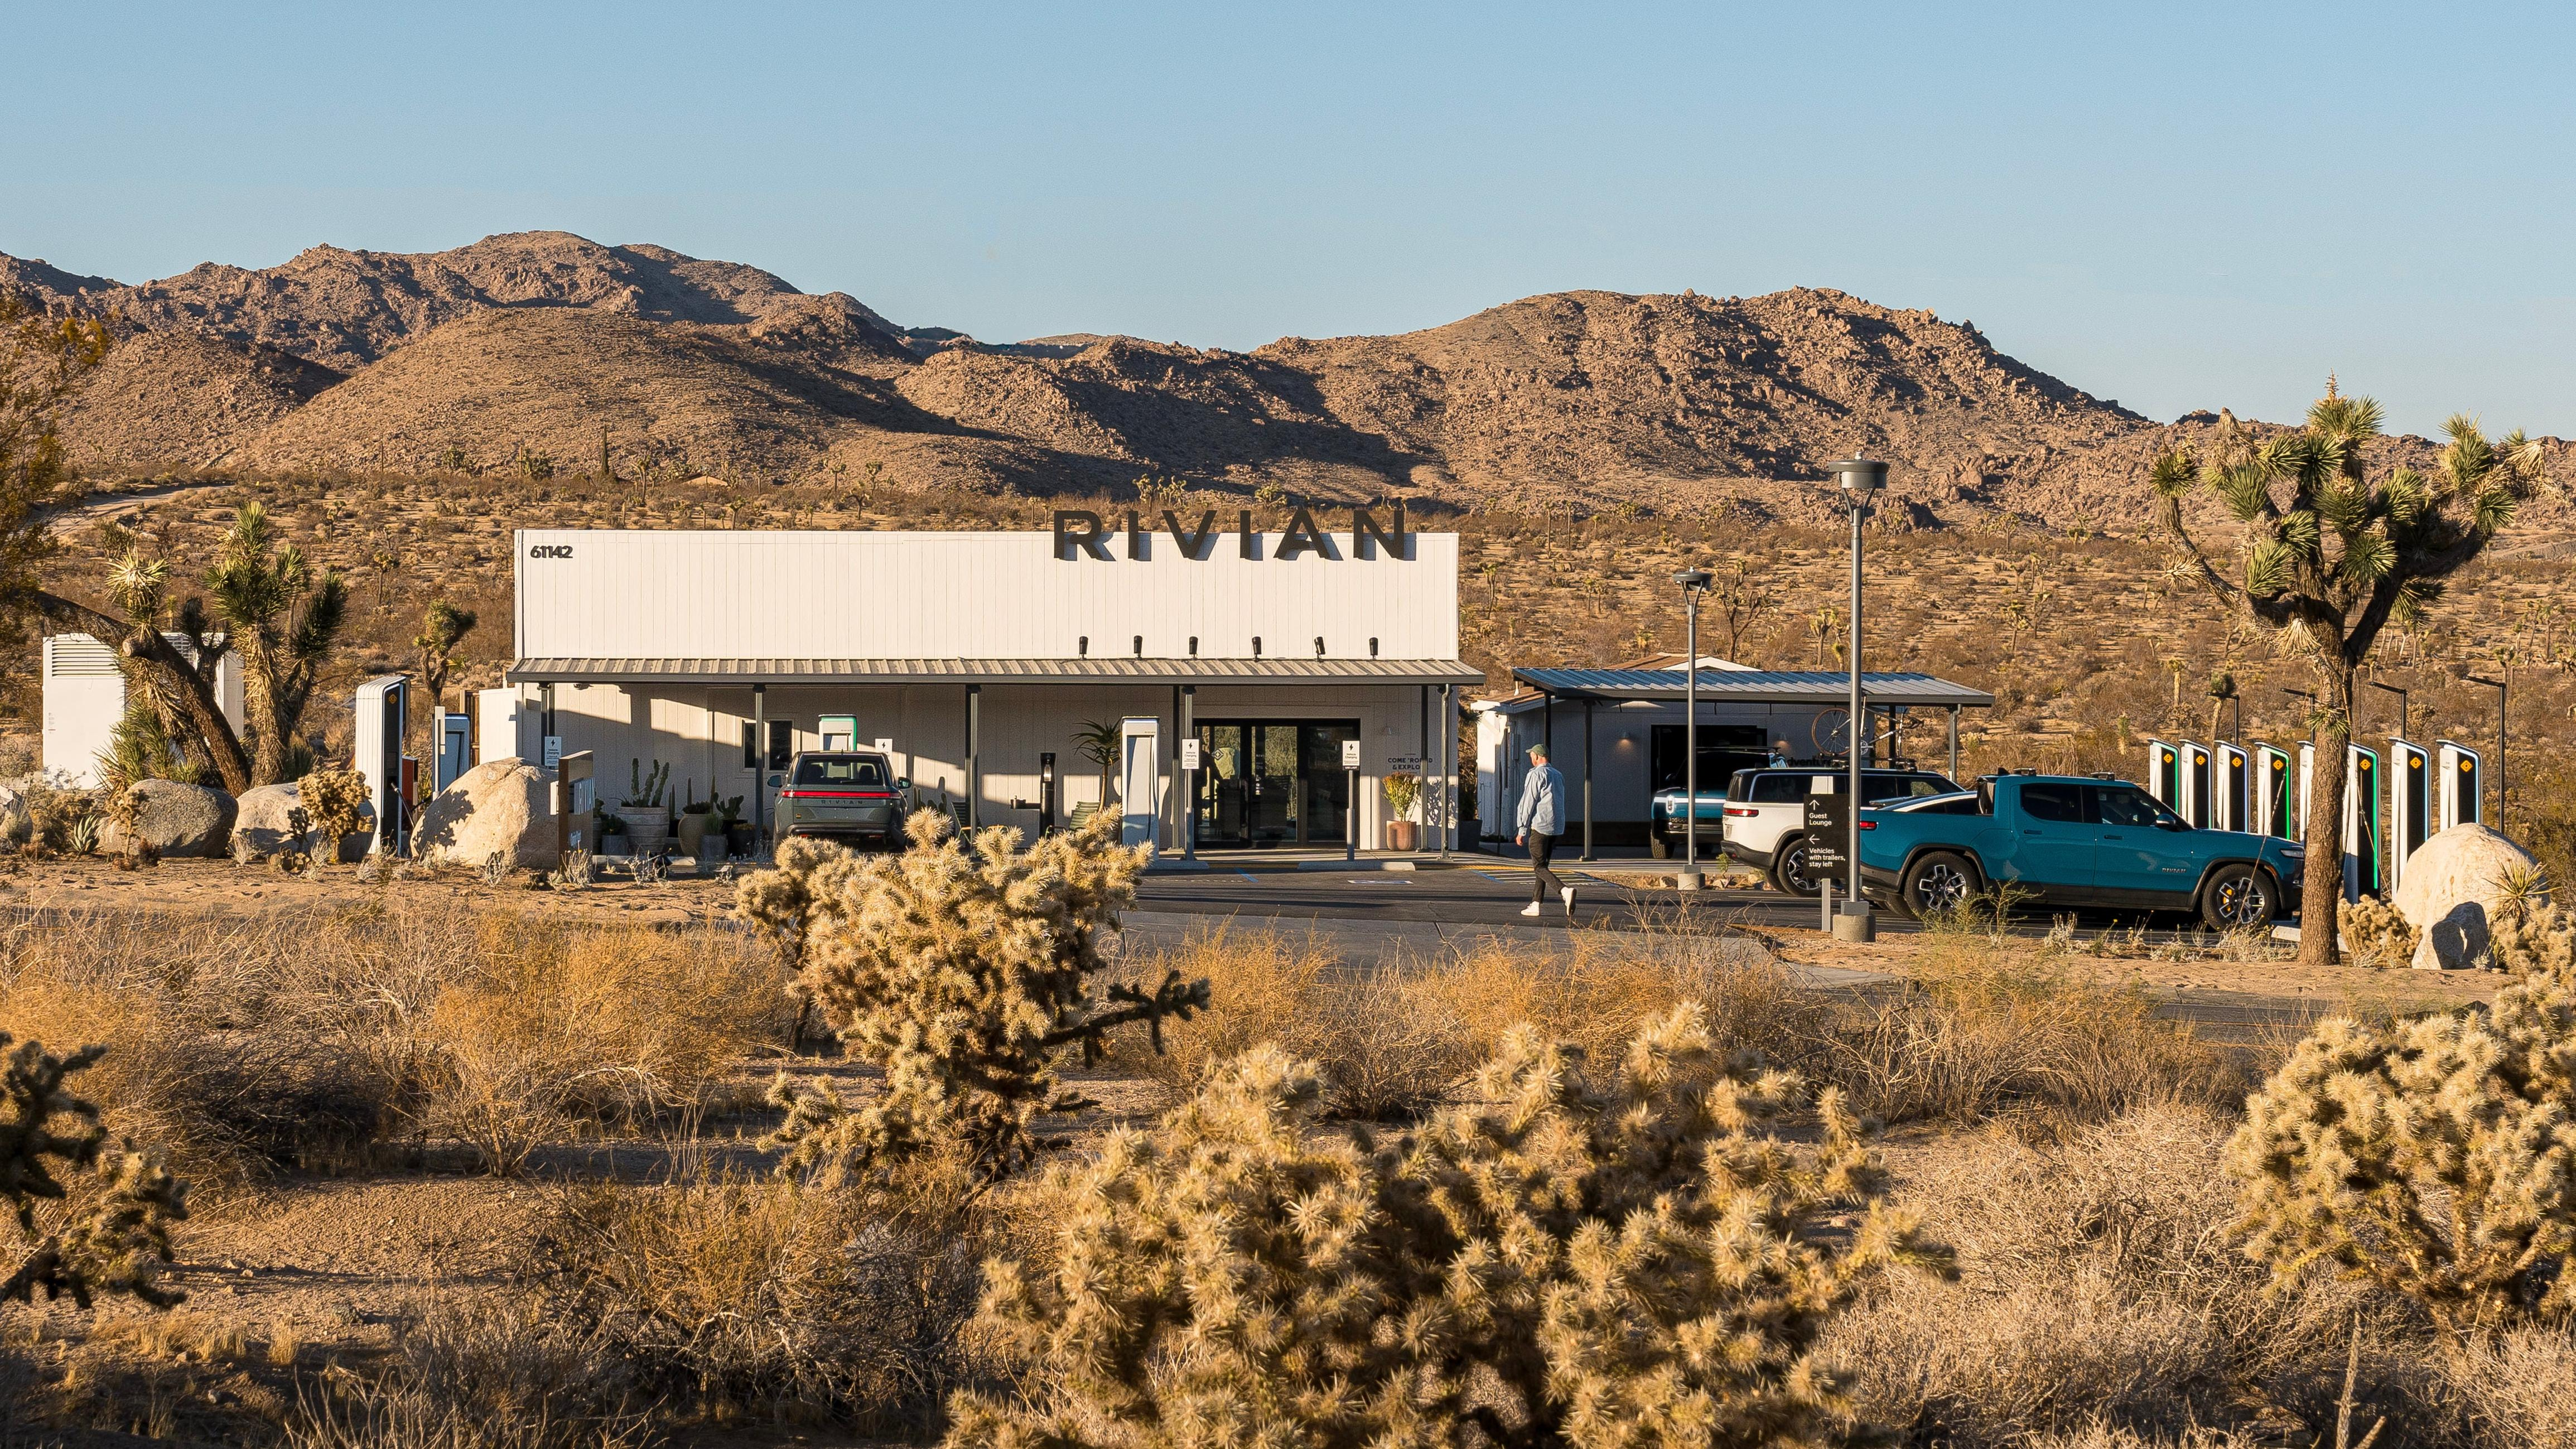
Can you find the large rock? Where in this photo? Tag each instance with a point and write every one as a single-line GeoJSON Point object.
{"type": "Point", "coordinates": [2453, 884]}
{"type": "Point", "coordinates": [174, 819]}
{"type": "Point", "coordinates": [266, 826]}
{"type": "Point", "coordinates": [499, 805]}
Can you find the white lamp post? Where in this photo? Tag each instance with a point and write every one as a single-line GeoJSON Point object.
{"type": "Point", "coordinates": [1694, 583]}
{"type": "Point", "coordinates": [1859, 477]}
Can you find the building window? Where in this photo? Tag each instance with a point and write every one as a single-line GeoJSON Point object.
{"type": "Point", "coordinates": [782, 743]}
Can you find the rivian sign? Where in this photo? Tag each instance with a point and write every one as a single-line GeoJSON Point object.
{"type": "Point", "coordinates": [1079, 532]}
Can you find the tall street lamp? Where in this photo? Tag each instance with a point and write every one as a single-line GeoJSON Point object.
{"type": "Point", "coordinates": [1694, 583]}
{"type": "Point", "coordinates": [1859, 477]}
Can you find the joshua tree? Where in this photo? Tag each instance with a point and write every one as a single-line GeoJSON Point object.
{"type": "Point", "coordinates": [2328, 558]}
{"type": "Point", "coordinates": [283, 621]}
{"type": "Point", "coordinates": [1738, 599]}
{"type": "Point", "coordinates": [443, 626]}
{"type": "Point", "coordinates": [2222, 688]}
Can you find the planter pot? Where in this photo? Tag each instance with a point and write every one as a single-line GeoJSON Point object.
{"type": "Point", "coordinates": [647, 826]}
{"type": "Point", "coordinates": [692, 831]}
{"type": "Point", "coordinates": [739, 840]}
{"type": "Point", "coordinates": [1403, 835]}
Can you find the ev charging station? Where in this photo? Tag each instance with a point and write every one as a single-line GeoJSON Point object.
{"type": "Point", "coordinates": [2410, 804]}
{"type": "Point", "coordinates": [453, 737]}
{"type": "Point", "coordinates": [1140, 780]}
{"type": "Point", "coordinates": [2273, 800]}
{"type": "Point", "coordinates": [2364, 850]}
{"type": "Point", "coordinates": [2194, 807]}
{"type": "Point", "coordinates": [2231, 789]}
{"type": "Point", "coordinates": [2458, 795]}
{"type": "Point", "coordinates": [379, 728]}
{"type": "Point", "coordinates": [2307, 784]}
{"type": "Point", "coordinates": [2164, 775]}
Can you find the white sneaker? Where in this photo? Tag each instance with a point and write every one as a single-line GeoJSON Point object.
{"type": "Point", "coordinates": [1530, 910]}
{"type": "Point", "coordinates": [1568, 896]}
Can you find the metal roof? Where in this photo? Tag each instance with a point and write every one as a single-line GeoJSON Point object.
{"type": "Point", "coordinates": [1753, 686]}
{"type": "Point", "coordinates": [993, 671]}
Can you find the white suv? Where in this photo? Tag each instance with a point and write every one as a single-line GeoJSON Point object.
{"type": "Point", "coordinates": [1766, 814]}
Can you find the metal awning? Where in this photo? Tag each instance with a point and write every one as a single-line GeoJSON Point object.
{"type": "Point", "coordinates": [993, 671]}
{"type": "Point", "coordinates": [1754, 686]}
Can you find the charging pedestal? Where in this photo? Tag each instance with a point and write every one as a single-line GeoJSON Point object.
{"type": "Point", "coordinates": [2194, 771]}
{"type": "Point", "coordinates": [2273, 802]}
{"type": "Point", "coordinates": [455, 749]}
{"type": "Point", "coordinates": [1140, 780]}
{"type": "Point", "coordinates": [2230, 789]}
{"type": "Point", "coordinates": [2364, 849]}
{"type": "Point", "coordinates": [2164, 775]}
{"type": "Point", "coordinates": [2410, 805]}
{"type": "Point", "coordinates": [2461, 767]}
{"type": "Point", "coordinates": [382, 719]}
{"type": "Point", "coordinates": [2307, 790]}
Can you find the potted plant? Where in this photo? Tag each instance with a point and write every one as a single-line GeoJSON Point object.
{"type": "Point", "coordinates": [740, 838]}
{"type": "Point", "coordinates": [604, 828]}
{"type": "Point", "coordinates": [697, 820]}
{"type": "Point", "coordinates": [648, 820]}
{"type": "Point", "coordinates": [1403, 790]}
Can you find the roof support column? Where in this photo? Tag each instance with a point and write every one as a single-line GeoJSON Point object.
{"type": "Point", "coordinates": [1954, 744]}
{"type": "Point", "coordinates": [1587, 779]}
{"type": "Point", "coordinates": [974, 773]}
{"type": "Point", "coordinates": [759, 765]}
{"type": "Point", "coordinates": [1448, 773]}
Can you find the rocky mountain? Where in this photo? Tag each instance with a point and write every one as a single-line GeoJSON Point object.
{"type": "Point", "coordinates": [548, 344]}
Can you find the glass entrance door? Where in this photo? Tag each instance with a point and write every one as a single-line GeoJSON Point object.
{"type": "Point", "coordinates": [1271, 783]}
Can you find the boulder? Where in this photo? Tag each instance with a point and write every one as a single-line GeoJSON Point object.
{"type": "Point", "coordinates": [266, 826]}
{"type": "Point", "coordinates": [499, 805]}
{"type": "Point", "coordinates": [17, 823]}
{"type": "Point", "coordinates": [174, 819]}
{"type": "Point", "coordinates": [2453, 883]}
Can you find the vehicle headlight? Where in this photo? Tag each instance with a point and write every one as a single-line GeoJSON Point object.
{"type": "Point", "coordinates": [2294, 852]}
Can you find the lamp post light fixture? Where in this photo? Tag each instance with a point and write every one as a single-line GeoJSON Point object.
{"type": "Point", "coordinates": [1859, 477]}
{"type": "Point", "coordinates": [1694, 583]}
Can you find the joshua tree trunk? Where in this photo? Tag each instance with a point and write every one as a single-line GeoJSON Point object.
{"type": "Point", "coordinates": [192, 688]}
{"type": "Point", "coordinates": [2321, 898]}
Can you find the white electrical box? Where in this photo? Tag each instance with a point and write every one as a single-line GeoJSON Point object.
{"type": "Point", "coordinates": [507, 726]}
{"type": "Point", "coordinates": [1140, 780]}
{"type": "Point", "coordinates": [84, 691]}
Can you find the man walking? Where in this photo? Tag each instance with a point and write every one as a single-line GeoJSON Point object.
{"type": "Point", "coordinates": [1542, 820]}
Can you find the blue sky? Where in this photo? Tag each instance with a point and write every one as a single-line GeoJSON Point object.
{"type": "Point", "coordinates": [2172, 206]}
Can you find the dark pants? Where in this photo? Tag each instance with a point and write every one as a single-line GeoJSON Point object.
{"type": "Point", "coordinates": [1543, 882]}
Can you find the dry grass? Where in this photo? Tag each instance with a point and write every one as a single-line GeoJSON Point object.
{"type": "Point", "coordinates": [479, 1374]}
{"type": "Point", "coordinates": [735, 1297]}
{"type": "Point", "coordinates": [1984, 1027]}
{"type": "Point", "coordinates": [552, 1025]}
{"type": "Point", "coordinates": [2097, 1284]}
{"type": "Point", "coordinates": [243, 1046]}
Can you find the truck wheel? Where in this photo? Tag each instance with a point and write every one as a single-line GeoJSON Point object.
{"type": "Point", "coordinates": [1937, 881]}
{"type": "Point", "coordinates": [2238, 897]}
{"type": "Point", "coordinates": [1789, 869]}
{"type": "Point", "coordinates": [1660, 844]}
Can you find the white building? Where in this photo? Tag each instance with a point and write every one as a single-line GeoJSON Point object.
{"type": "Point", "coordinates": [85, 697]}
{"type": "Point", "coordinates": [1616, 734]}
{"type": "Point", "coordinates": [978, 656]}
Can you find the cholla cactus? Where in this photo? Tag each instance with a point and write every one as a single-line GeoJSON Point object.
{"type": "Point", "coordinates": [1642, 1263]}
{"type": "Point", "coordinates": [121, 1243]}
{"type": "Point", "coordinates": [335, 801]}
{"type": "Point", "coordinates": [2376, 934]}
{"type": "Point", "coordinates": [963, 973]}
{"type": "Point", "coordinates": [2434, 1158]}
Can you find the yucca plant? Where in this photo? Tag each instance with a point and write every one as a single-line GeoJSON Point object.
{"type": "Point", "coordinates": [2328, 557]}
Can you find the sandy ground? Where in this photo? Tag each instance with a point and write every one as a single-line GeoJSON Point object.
{"type": "Point", "coordinates": [221, 888]}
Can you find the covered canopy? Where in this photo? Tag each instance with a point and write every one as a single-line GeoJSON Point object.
{"type": "Point", "coordinates": [1755, 686]}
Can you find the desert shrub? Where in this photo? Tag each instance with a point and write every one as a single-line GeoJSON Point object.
{"type": "Point", "coordinates": [66, 819]}
{"type": "Point", "coordinates": [963, 973]}
{"type": "Point", "coordinates": [2097, 1286]}
{"type": "Point", "coordinates": [2513, 1390]}
{"type": "Point", "coordinates": [336, 802]}
{"type": "Point", "coordinates": [2376, 935]}
{"type": "Point", "coordinates": [763, 1297]}
{"type": "Point", "coordinates": [2432, 1157]}
{"type": "Point", "coordinates": [493, 1372]}
{"type": "Point", "coordinates": [551, 1025]}
{"type": "Point", "coordinates": [119, 1243]}
{"type": "Point", "coordinates": [1639, 1261]}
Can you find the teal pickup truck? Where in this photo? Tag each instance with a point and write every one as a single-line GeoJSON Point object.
{"type": "Point", "coordinates": [2063, 840]}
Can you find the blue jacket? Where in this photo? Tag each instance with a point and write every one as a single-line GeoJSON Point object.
{"type": "Point", "coordinates": [1543, 802]}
